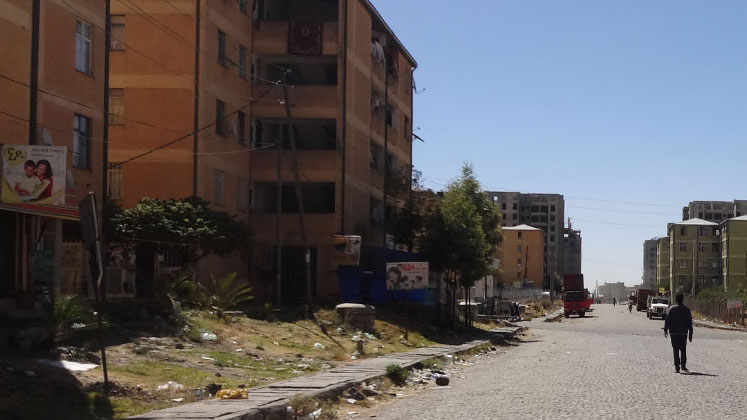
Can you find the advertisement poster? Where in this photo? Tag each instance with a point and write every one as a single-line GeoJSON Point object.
{"type": "Point", "coordinates": [33, 174]}
{"type": "Point", "coordinates": [406, 275]}
{"type": "Point", "coordinates": [346, 250]}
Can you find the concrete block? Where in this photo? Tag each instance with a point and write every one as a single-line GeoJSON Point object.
{"type": "Point", "coordinates": [357, 316]}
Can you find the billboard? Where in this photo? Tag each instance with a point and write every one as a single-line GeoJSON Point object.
{"type": "Point", "coordinates": [33, 174]}
{"type": "Point", "coordinates": [406, 275]}
{"type": "Point", "coordinates": [346, 250]}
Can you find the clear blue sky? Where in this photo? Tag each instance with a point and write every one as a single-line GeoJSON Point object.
{"type": "Point", "coordinates": [636, 101]}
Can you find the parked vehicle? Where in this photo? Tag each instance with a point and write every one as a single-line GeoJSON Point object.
{"type": "Point", "coordinates": [576, 299]}
{"type": "Point", "coordinates": [658, 307]}
{"type": "Point", "coordinates": [642, 299]}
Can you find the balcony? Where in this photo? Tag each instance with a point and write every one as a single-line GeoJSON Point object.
{"type": "Point", "coordinates": [313, 164]}
{"type": "Point", "coordinates": [271, 38]}
{"type": "Point", "coordinates": [306, 101]}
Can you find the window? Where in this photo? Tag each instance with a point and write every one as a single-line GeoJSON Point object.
{"type": "Point", "coordinates": [683, 247]}
{"type": "Point", "coordinates": [683, 230]}
{"type": "Point", "coordinates": [81, 142]}
{"type": "Point", "coordinates": [83, 47]}
{"type": "Point", "coordinates": [702, 247]}
{"type": "Point", "coordinates": [503, 206]}
{"type": "Point", "coordinates": [243, 54]}
{"type": "Point", "coordinates": [714, 263]}
{"type": "Point", "coordinates": [552, 218]}
{"type": "Point", "coordinates": [702, 230]}
{"type": "Point", "coordinates": [242, 195]}
{"type": "Point", "coordinates": [114, 181]}
{"type": "Point", "coordinates": [218, 179]}
{"type": "Point", "coordinates": [117, 33]}
{"type": "Point", "coordinates": [220, 117]}
{"type": "Point", "coordinates": [518, 276]}
{"type": "Point", "coordinates": [391, 117]}
{"type": "Point", "coordinates": [518, 248]}
{"type": "Point", "coordinates": [552, 208]}
{"type": "Point", "coordinates": [701, 264]}
{"type": "Point", "coordinates": [116, 106]}
{"type": "Point", "coordinates": [514, 206]}
{"type": "Point", "coordinates": [519, 234]}
{"type": "Point", "coordinates": [241, 127]}
{"type": "Point", "coordinates": [514, 216]}
{"type": "Point", "coordinates": [552, 228]}
{"type": "Point", "coordinates": [715, 247]}
{"type": "Point", "coordinates": [683, 264]}
{"type": "Point", "coordinates": [406, 131]}
{"type": "Point", "coordinates": [518, 262]}
{"type": "Point", "coordinates": [221, 47]}
{"type": "Point", "coordinates": [243, 6]}
{"type": "Point", "coordinates": [552, 238]}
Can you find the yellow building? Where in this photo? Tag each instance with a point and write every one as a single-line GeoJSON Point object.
{"type": "Point", "coordinates": [520, 253]}
{"type": "Point", "coordinates": [694, 256]}
{"type": "Point", "coordinates": [734, 253]}
{"type": "Point", "coordinates": [52, 84]}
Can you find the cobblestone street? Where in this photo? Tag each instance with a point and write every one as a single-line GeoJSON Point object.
{"type": "Point", "coordinates": [611, 364]}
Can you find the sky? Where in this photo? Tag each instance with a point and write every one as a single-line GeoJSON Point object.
{"type": "Point", "coordinates": [630, 109]}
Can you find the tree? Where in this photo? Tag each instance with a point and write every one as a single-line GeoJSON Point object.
{"type": "Point", "coordinates": [413, 204]}
{"type": "Point", "coordinates": [462, 235]}
{"type": "Point", "coordinates": [188, 226]}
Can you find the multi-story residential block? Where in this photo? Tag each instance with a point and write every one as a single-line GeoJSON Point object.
{"type": "Point", "coordinates": [694, 255]}
{"type": "Point", "coordinates": [714, 211]}
{"type": "Point", "coordinates": [607, 291]}
{"type": "Point", "coordinates": [520, 254]}
{"type": "Point", "coordinates": [649, 263]}
{"type": "Point", "coordinates": [544, 211]}
{"type": "Point", "coordinates": [51, 94]}
{"type": "Point", "coordinates": [571, 250]}
{"type": "Point", "coordinates": [662, 263]}
{"type": "Point", "coordinates": [314, 94]}
{"type": "Point", "coordinates": [734, 253]}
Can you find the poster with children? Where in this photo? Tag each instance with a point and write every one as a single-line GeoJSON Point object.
{"type": "Point", "coordinates": [33, 174]}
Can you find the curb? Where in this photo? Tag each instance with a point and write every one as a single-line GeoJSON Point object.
{"type": "Point", "coordinates": [276, 410]}
{"type": "Point", "coordinates": [718, 327]}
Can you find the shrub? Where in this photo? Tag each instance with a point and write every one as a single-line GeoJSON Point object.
{"type": "Point", "coordinates": [226, 292]}
{"type": "Point", "coordinates": [397, 374]}
{"type": "Point", "coordinates": [69, 310]}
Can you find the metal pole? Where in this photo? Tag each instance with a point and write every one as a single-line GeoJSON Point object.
{"type": "Point", "coordinates": [278, 212]}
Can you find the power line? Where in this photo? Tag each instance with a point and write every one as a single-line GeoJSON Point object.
{"type": "Point", "coordinates": [619, 211]}
{"type": "Point", "coordinates": [617, 224]}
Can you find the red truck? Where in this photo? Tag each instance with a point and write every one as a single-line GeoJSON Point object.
{"type": "Point", "coordinates": [576, 299]}
{"type": "Point", "coordinates": [642, 299]}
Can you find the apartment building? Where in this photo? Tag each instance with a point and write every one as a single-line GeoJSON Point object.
{"type": "Point", "coordinates": [694, 255]}
{"type": "Point", "coordinates": [650, 248]}
{"type": "Point", "coordinates": [309, 93]}
{"type": "Point", "coordinates": [618, 291]}
{"type": "Point", "coordinates": [543, 211]}
{"type": "Point", "coordinates": [521, 256]}
{"type": "Point", "coordinates": [571, 250]}
{"type": "Point", "coordinates": [714, 211]}
{"type": "Point", "coordinates": [734, 253]}
{"type": "Point", "coordinates": [662, 263]}
{"type": "Point", "coordinates": [52, 104]}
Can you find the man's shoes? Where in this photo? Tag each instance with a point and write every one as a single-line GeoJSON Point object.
{"type": "Point", "coordinates": [677, 369]}
{"type": "Point", "coordinates": [684, 370]}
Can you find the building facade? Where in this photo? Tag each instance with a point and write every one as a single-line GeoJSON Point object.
{"type": "Point", "coordinates": [520, 254]}
{"type": "Point", "coordinates": [694, 255]}
{"type": "Point", "coordinates": [571, 250]}
{"type": "Point", "coordinates": [714, 211]}
{"type": "Point", "coordinates": [734, 253]}
{"type": "Point", "coordinates": [300, 113]}
{"type": "Point", "coordinates": [52, 96]}
{"type": "Point", "coordinates": [650, 248]}
{"type": "Point", "coordinates": [544, 211]}
{"type": "Point", "coordinates": [662, 263]}
{"type": "Point", "coordinates": [608, 291]}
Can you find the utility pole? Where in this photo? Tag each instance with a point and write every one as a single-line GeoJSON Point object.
{"type": "Point", "coordinates": [299, 198]}
{"type": "Point", "coordinates": [278, 213]}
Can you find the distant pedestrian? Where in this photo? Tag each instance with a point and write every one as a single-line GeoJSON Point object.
{"type": "Point", "coordinates": [614, 302]}
{"type": "Point", "coordinates": [630, 306]}
{"type": "Point", "coordinates": [679, 324]}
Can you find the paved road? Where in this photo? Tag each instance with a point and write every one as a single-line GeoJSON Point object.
{"type": "Point", "coordinates": [610, 365]}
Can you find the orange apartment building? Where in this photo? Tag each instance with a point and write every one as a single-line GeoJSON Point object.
{"type": "Point", "coordinates": [52, 83]}
{"type": "Point", "coordinates": [329, 74]}
{"type": "Point", "coordinates": [520, 253]}
{"type": "Point", "coordinates": [180, 93]}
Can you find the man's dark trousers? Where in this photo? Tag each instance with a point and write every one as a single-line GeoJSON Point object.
{"type": "Point", "coordinates": [679, 346]}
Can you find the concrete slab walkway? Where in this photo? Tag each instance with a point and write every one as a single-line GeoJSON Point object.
{"type": "Point", "coordinates": [269, 401]}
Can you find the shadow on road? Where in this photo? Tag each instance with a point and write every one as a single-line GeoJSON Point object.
{"type": "Point", "coordinates": [698, 374]}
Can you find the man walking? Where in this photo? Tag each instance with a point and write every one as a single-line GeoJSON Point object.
{"type": "Point", "coordinates": [679, 323]}
{"type": "Point", "coordinates": [614, 302]}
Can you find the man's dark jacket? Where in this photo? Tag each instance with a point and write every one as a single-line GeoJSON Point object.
{"type": "Point", "coordinates": [679, 321]}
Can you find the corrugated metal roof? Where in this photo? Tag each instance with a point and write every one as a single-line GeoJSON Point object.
{"type": "Point", "coordinates": [696, 222]}
{"type": "Point", "coordinates": [740, 218]}
{"type": "Point", "coordinates": [520, 227]}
